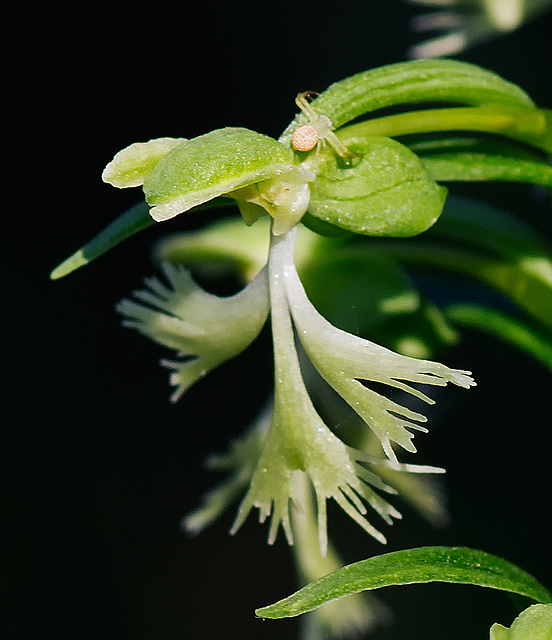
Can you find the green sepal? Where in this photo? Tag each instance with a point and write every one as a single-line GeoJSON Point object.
{"type": "Point", "coordinates": [458, 565]}
{"type": "Point", "coordinates": [386, 192]}
{"type": "Point", "coordinates": [133, 164]}
{"type": "Point", "coordinates": [212, 165]}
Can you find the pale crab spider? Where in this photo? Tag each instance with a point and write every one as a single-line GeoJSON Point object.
{"type": "Point", "coordinates": [317, 132]}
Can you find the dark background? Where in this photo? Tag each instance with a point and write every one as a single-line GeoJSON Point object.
{"type": "Point", "coordinates": [97, 467]}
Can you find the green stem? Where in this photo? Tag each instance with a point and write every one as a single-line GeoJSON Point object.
{"type": "Point", "coordinates": [286, 363]}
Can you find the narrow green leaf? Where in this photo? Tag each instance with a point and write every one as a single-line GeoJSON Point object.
{"type": "Point", "coordinates": [510, 257]}
{"type": "Point", "coordinates": [525, 282]}
{"type": "Point", "coordinates": [487, 145]}
{"type": "Point", "coordinates": [515, 331]}
{"type": "Point", "coordinates": [526, 124]}
{"type": "Point", "coordinates": [474, 223]}
{"type": "Point", "coordinates": [469, 166]}
{"type": "Point", "coordinates": [458, 565]}
{"type": "Point", "coordinates": [130, 222]}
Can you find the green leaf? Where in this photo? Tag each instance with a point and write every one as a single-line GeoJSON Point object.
{"type": "Point", "coordinates": [525, 124]}
{"type": "Point", "coordinates": [458, 565]}
{"type": "Point", "coordinates": [474, 166]}
{"type": "Point", "coordinates": [474, 223]}
{"type": "Point", "coordinates": [524, 282]}
{"type": "Point", "coordinates": [515, 331]}
{"type": "Point", "coordinates": [386, 192]}
{"type": "Point", "coordinates": [485, 145]}
{"type": "Point", "coordinates": [409, 83]}
{"type": "Point", "coordinates": [212, 165]}
{"type": "Point", "coordinates": [130, 222]}
{"type": "Point", "coordinates": [509, 256]}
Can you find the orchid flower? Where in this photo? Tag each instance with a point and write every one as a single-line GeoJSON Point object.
{"type": "Point", "coordinates": [343, 180]}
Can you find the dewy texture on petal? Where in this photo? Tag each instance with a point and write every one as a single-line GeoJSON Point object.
{"type": "Point", "coordinates": [203, 328]}
{"type": "Point", "coordinates": [133, 164]}
{"type": "Point", "coordinates": [298, 440]}
{"type": "Point", "coordinates": [386, 193]}
{"type": "Point", "coordinates": [211, 165]}
{"type": "Point", "coordinates": [343, 360]}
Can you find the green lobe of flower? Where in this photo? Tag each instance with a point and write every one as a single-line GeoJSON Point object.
{"type": "Point", "coordinates": [131, 166]}
{"type": "Point", "coordinates": [204, 328]}
{"type": "Point", "coordinates": [386, 193]}
{"type": "Point", "coordinates": [285, 198]}
{"type": "Point", "coordinates": [239, 462]}
{"type": "Point", "coordinates": [299, 441]}
{"type": "Point", "coordinates": [212, 165]}
{"type": "Point", "coordinates": [343, 360]}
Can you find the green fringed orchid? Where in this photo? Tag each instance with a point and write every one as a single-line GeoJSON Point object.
{"type": "Point", "coordinates": [344, 170]}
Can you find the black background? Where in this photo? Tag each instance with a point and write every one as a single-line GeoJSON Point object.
{"type": "Point", "coordinates": [97, 467]}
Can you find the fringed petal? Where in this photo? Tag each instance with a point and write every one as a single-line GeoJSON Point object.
{"type": "Point", "coordinates": [203, 328]}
